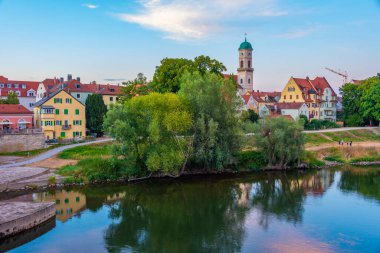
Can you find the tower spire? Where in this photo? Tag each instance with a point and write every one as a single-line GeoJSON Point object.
{"type": "Point", "coordinates": [245, 36]}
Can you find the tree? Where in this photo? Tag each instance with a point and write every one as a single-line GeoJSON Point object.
{"type": "Point", "coordinates": [216, 129]}
{"type": "Point", "coordinates": [168, 75]}
{"type": "Point", "coordinates": [250, 115]}
{"type": "Point", "coordinates": [351, 97]}
{"type": "Point", "coordinates": [370, 99]}
{"type": "Point", "coordinates": [151, 132]}
{"type": "Point", "coordinates": [95, 111]}
{"type": "Point", "coordinates": [281, 140]}
{"type": "Point", "coordinates": [133, 88]}
{"type": "Point", "coordinates": [11, 99]}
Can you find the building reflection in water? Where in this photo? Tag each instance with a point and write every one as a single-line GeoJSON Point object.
{"type": "Point", "coordinates": [67, 203]}
{"type": "Point", "coordinates": [112, 198]}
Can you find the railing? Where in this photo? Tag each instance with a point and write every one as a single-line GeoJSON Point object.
{"type": "Point", "coordinates": [66, 127]}
{"type": "Point", "coordinates": [21, 131]}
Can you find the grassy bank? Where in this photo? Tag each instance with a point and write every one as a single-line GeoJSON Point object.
{"type": "Point", "coordinates": [31, 152]}
{"type": "Point", "coordinates": [347, 154]}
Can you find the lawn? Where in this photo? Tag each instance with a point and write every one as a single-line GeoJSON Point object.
{"type": "Point", "coordinates": [348, 154]}
{"type": "Point", "coordinates": [316, 139]}
{"type": "Point", "coordinates": [346, 136]}
{"type": "Point", "coordinates": [87, 151]}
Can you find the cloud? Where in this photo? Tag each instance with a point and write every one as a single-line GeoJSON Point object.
{"type": "Point", "coordinates": [299, 33]}
{"type": "Point", "coordinates": [91, 6]}
{"type": "Point", "coordinates": [196, 19]}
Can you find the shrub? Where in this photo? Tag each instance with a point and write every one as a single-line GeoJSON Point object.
{"type": "Point", "coordinates": [51, 180]}
{"type": "Point", "coordinates": [252, 160]}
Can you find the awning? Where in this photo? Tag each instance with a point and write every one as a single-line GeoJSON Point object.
{"type": "Point", "coordinates": [6, 123]}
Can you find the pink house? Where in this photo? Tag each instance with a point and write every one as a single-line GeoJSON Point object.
{"type": "Point", "coordinates": [15, 117]}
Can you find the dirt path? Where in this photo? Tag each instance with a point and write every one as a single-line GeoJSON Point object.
{"type": "Point", "coordinates": [366, 144]}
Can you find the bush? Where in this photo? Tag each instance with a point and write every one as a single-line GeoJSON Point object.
{"type": "Point", "coordinates": [317, 124]}
{"type": "Point", "coordinates": [51, 180]}
{"type": "Point", "coordinates": [252, 160]}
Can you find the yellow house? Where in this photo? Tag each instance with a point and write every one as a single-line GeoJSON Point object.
{"type": "Point", "coordinates": [109, 93]}
{"type": "Point", "coordinates": [302, 90]}
{"type": "Point", "coordinates": [60, 115]}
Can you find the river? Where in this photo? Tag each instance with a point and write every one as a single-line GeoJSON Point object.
{"type": "Point", "coordinates": [335, 210]}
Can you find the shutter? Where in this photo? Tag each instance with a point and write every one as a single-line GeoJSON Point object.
{"type": "Point", "coordinates": [80, 122]}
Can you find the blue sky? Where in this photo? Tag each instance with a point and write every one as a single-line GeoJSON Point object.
{"type": "Point", "coordinates": [116, 39]}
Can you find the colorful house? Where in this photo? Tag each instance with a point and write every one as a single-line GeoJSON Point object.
{"type": "Point", "coordinates": [15, 117]}
{"type": "Point", "coordinates": [25, 90]}
{"type": "Point", "coordinates": [317, 94]}
{"type": "Point", "coordinates": [294, 110]}
{"type": "Point", "coordinates": [61, 116]}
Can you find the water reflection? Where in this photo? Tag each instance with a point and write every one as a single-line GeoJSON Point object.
{"type": "Point", "coordinates": [266, 212]}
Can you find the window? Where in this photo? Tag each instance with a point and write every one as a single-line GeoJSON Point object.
{"type": "Point", "coordinates": [57, 201]}
{"type": "Point", "coordinates": [77, 86]}
{"type": "Point", "coordinates": [57, 111]}
{"type": "Point", "coordinates": [76, 111]}
{"type": "Point", "coordinates": [18, 93]}
{"type": "Point", "coordinates": [68, 100]}
{"type": "Point", "coordinates": [241, 64]}
{"type": "Point", "coordinates": [31, 104]}
{"type": "Point", "coordinates": [58, 122]}
{"type": "Point", "coordinates": [297, 96]}
{"type": "Point", "coordinates": [78, 95]}
{"type": "Point", "coordinates": [66, 122]}
{"type": "Point", "coordinates": [111, 99]}
{"type": "Point", "coordinates": [249, 64]}
{"type": "Point", "coordinates": [57, 100]}
{"type": "Point", "coordinates": [112, 90]}
{"type": "Point", "coordinates": [48, 123]}
{"type": "Point", "coordinates": [65, 111]}
{"type": "Point", "coordinates": [31, 94]}
{"type": "Point", "coordinates": [1, 85]}
{"type": "Point", "coordinates": [241, 81]}
{"type": "Point", "coordinates": [291, 97]}
{"type": "Point", "coordinates": [77, 122]}
{"type": "Point", "coordinates": [284, 96]}
{"type": "Point", "coordinates": [47, 111]}
{"type": "Point", "coordinates": [249, 80]}
{"type": "Point", "coordinates": [16, 85]}
{"type": "Point", "coordinates": [9, 85]}
{"type": "Point", "coordinates": [23, 86]}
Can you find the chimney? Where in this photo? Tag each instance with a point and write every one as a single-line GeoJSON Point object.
{"type": "Point", "coordinates": [61, 80]}
{"type": "Point", "coordinates": [69, 77]}
{"type": "Point", "coordinates": [78, 79]}
{"type": "Point", "coordinates": [307, 78]}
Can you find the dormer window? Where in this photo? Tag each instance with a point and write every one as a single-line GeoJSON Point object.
{"type": "Point", "coordinates": [18, 93]}
{"type": "Point", "coordinates": [9, 85]}
{"type": "Point", "coordinates": [77, 86]}
{"type": "Point", "coordinates": [31, 94]}
{"type": "Point", "coordinates": [16, 85]}
{"type": "Point", "coordinates": [23, 86]}
{"type": "Point", "coordinates": [1, 85]}
{"type": "Point", "coordinates": [112, 90]}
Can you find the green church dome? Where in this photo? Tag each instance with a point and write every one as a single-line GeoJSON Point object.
{"type": "Point", "coordinates": [245, 45]}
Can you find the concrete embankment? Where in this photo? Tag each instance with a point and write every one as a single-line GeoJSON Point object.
{"type": "Point", "coordinates": [16, 217]}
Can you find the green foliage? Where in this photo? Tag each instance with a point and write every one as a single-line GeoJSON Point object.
{"type": "Point", "coordinates": [137, 87]}
{"type": "Point", "coordinates": [51, 180]}
{"type": "Point", "coordinates": [95, 111]}
{"type": "Point", "coordinates": [85, 151]}
{"type": "Point", "coordinates": [311, 160]}
{"type": "Point", "coordinates": [167, 77]}
{"type": "Point", "coordinates": [151, 132]}
{"type": "Point", "coordinates": [334, 158]}
{"type": "Point", "coordinates": [316, 139]}
{"type": "Point", "coordinates": [250, 115]}
{"type": "Point", "coordinates": [316, 124]}
{"type": "Point", "coordinates": [216, 129]}
{"type": "Point", "coordinates": [252, 160]}
{"type": "Point", "coordinates": [11, 99]}
{"type": "Point", "coordinates": [361, 103]}
{"type": "Point", "coordinates": [281, 140]}
{"type": "Point", "coordinates": [370, 99]}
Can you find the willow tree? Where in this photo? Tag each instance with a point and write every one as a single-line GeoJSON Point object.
{"type": "Point", "coordinates": [150, 132]}
{"type": "Point", "coordinates": [281, 140]}
{"type": "Point", "coordinates": [216, 129]}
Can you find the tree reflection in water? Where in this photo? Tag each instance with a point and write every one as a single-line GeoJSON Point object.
{"type": "Point", "coordinates": [365, 182]}
{"type": "Point", "coordinates": [206, 216]}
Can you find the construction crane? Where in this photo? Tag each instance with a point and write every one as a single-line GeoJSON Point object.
{"type": "Point", "coordinates": [344, 74]}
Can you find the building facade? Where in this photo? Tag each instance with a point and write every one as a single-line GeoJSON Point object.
{"type": "Point", "coordinates": [25, 90]}
{"type": "Point", "coordinates": [15, 117]}
{"type": "Point", "coordinates": [61, 115]}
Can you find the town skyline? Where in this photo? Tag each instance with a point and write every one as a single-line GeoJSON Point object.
{"type": "Point", "coordinates": [98, 40]}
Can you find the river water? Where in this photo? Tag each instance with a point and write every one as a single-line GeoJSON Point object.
{"type": "Point", "coordinates": [336, 210]}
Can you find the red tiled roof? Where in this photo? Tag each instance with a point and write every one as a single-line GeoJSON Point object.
{"type": "Point", "coordinates": [321, 83]}
{"type": "Point", "coordinates": [227, 76]}
{"type": "Point", "coordinates": [276, 115]}
{"type": "Point", "coordinates": [106, 89]}
{"type": "Point", "coordinates": [246, 98]}
{"type": "Point", "coordinates": [357, 82]}
{"type": "Point", "coordinates": [13, 109]}
{"type": "Point", "coordinates": [23, 92]}
{"type": "Point", "coordinates": [289, 105]}
{"type": "Point", "coordinates": [304, 84]}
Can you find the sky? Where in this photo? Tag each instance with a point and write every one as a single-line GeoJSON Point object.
{"type": "Point", "coordinates": [106, 40]}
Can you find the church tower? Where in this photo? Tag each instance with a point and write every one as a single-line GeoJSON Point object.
{"type": "Point", "coordinates": [245, 70]}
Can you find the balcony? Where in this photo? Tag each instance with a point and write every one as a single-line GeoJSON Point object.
{"type": "Point", "coordinates": [66, 127]}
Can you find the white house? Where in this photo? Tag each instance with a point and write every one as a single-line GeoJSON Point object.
{"type": "Point", "coordinates": [295, 110]}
